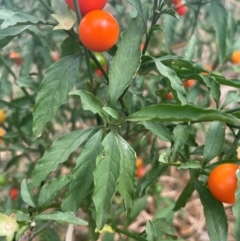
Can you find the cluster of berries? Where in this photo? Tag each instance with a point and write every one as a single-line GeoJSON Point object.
{"type": "Point", "coordinates": [180, 7]}
{"type": "Point", "coordinates": [3, 179]}
{"type": "Point", "coordinates": [98, 30]}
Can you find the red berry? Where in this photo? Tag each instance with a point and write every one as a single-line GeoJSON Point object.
{"type": "Point", "coordinates": [14, 193]}
{"type": "Point", "coordinates": [98, 30]}
{"type": "Point", "coordinates": [176, 1]}
{"type": "Point", "coordinates": [141, 171]}
{"type": "Point", "coordinates": [99, 72]}
{"type": "Point", "coordinates": [87, 6]}
{"type": "Point", "coordinates": [181, 9]}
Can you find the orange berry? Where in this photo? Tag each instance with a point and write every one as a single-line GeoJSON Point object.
{"type": "Point", "coordinates": [207, 66]}
{"type": "Point", "coordinates": [55, 56]}
{"type": "Point", "coordinates": [2, 133]}
{"type": "Point", "coordinates": [141, 171]}
{"type": "Point", "coordinates": [98, 30]}
{"type": "Point", "coordinates": [169, 96]}
{"type": "Point", "coordinates": [235, 58]}
{"type": "Point", "coordinates": [189, 83]}
{"type": "Point", "coordinates": [14, 55]}
{"type": "Point", "coordinates": [222, 182]}
{"type": "Point", "coordinates": [2, 116]}
{"type": "Point", "coordinates": [139, 162]}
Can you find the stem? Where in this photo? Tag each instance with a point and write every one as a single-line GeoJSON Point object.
{"type": "Point", "coordinates": [129, 234]}
{"type": "Point", "coordinates": [154, 20]}
{"type": "Point", "coordinates": [10, 104]}
{"type": "Point", "coordinates": [233, 126]}
{"type": "Point", "coordinates": [238, 135]}
{"type": "Point", "coordinates": [204, 172]}
{"type": "Point", "coordinates": [233, 110]}
{"type": "Point", "coordinates": [77, 10]}
{"type": "Point", "coordinates": [46, 6]}
{"type": "Point", "coordinates": [88, 65]}
{"type": "Point", "coordinates": [15, 78]}
{"type": "Point", "coordinates": [46, 225]}
{"type": "Point", "coordinates": [79, 17]}
{"type": "Point", "coordinates": [99, 66]}
{"type": "Point", "coordinates": [196, 17]}
{"type": "Point", "coordinates": [183, 157]}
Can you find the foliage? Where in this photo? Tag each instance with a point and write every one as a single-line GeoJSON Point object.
{"type": "Point", "coordinates": [73, 136]}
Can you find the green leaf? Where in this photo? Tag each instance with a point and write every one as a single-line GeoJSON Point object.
{"type": "Point", "coordinates": [6, 13]}
{"type": "Point", "coordinates": [21, 216]}
{"type": "Point", "coordinates": [49, 234]}
{"type": "Point", "coordinates": [180, 137]}
{"type": "Point", "coordinates": [231, 30]}
{"type": "Point", "coordinates": [157, 170]}
{"type": "Point", "coordinates": [155, 230]}
{"type": "Point", "coordinates": [58, 153]}
{"type": "Point", "coordinates": [139, 205]}
{"type": "Point", "coordinates": [126, 181]}
{"type": "Point", "coordinates": [82, 175]}
{"type": "Point", "coordinates": [170, 12]}
{"type": "Point", "coordinates": [231, 98]}
{"type": "Point", "coordinates": [105, 178]}
{"type": "Point", "coordinates": [230, 153]}
{"type": "Point", "coordinates": [137, 96]}
{"type": "Point", "coordinates": [44, 44]}
{"type": "Point", "coordinates": [190, 165]}
{"type": "Point", "coordinates": [137, 4]}
{"type": "Point", "coordinates": [169, 24]}
{"type": "Point", "coordinates": [159, 130]}
{"type": "Point", "coordinates": [164, 157]}
{"type": "Point", "coordinates": [53, 91]}
{"type": "Point", "coordinates": [127, 59]}
{"type": "Point", "coordinates": [113, 113]}
{"type": "Point", "coordinates": [213, 87]}
{"type": "Point", "coordinates": [7, 34]}
{"type": "Point", "coordinates": [50, 190]}
{"type": "Point", "coordinates": [189, 54]}
{"type": "Point", "coordinates": [214, 141]}
{"type": "Point", "coordinates": [20, 19]}
{"type": "Point", "coordinates": [69, 46]}
{"type": "Point", "coordinates": [181, 62]}
{"type": "Point", "coordinates": [173, 82]}
{"type": "Point", "coordinates": [151, 232]}
{"type": "Point", "coordinates": [228, 82]}
{"type": "Point", "coordinates": [26, 194]}
{"type": "Point", "coordinates": [6, 85]}
{"type": "Point", "coordinates": [161, 225]}
{"type": "Point", "coordinates": [89, 102]}
{"type": "Point", "coordinates": [236, 211]}
{"type": "Point", "coordinates": [27, 82]}
{"type": "Point", "coordinates": [218, 16]}
{"type": "Point", "coordinates": [168, 112]}
{"type": "Point", "coordinates": [67, 217]}
{"type": "Point", "coordinates": [184, 196]}
{"type": "Point", "coordinates": [216, 220]}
